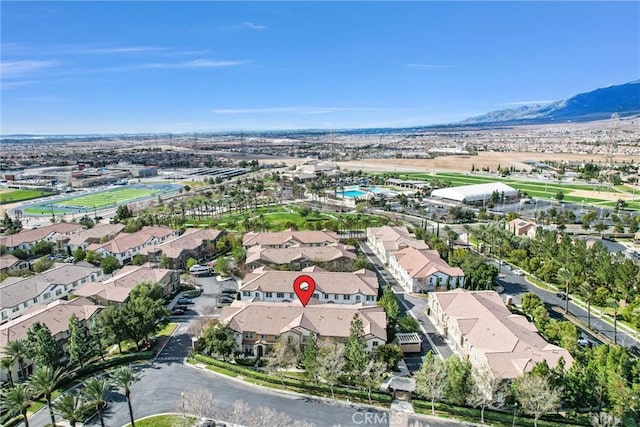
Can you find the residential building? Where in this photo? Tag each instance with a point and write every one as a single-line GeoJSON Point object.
{"type": "Point", "coordinates": [386, 240]}
{"type": "Point", "coordinates": [18, 294]}
{"type": "Point", "coordinates": [288, 238]}
{"type": "Point", "coordinates": [10, 264]}
{"type": "Point", "coordinates": [127, 245]}
{"type": "Point", "coordinates": [297, 257]}
{"type": "Point", "coordinates": [423, 270]}
{"type": "Point", "coordinates": [55, 316]}
{"type": "Point", "coordinates": [521, 227]}
{"type": "Point", "coordinates": [27, 238]}
{"type": "Point", "coordinates": [115, 290]}
{"type": "Point", "coordinates": [97, 234]}
{"type": "Point", "coordinates": [194, 243]}
{"type": "Point", "coordinates": [330, 287]}
{"type": "Point", "coordinates": [480, 326]}
{"type": "Point", "coordinates": [258, 325]}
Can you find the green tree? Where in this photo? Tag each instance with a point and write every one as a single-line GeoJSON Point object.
{"type": "Point", "coordinates": [143, 310]}
{"type": "Point", "coordinates": [71, 408]}
{"type": "Point", "coordinates": [310, 356]}
{"type": "Point", "coordinates": [17, 400]}
{"type": "Point", "coordinates": [7, 364]}
{"type": "Point", "coordinates": [331, 363]}
{"type": "Point", "coordinates": [16, 351]}
{"type": "Point", "coordinates": [122, 214]}
{"type": "Point", "coordinates": [191, 262]}
{"type": "Point", "coordinates": [530, 302]}
{"type": "Point", "coordinates": [222, 265]}
{"type": "Point", "coordinates": [459, 380]}
{"type": "Point", "coordinates": [124, 378]}
{"type": "Point", "coordinates": [559, 196]}
{"type": "Point", "coordinates": [93, 257]}
{"type": "Point", "coordinates": [284, 355]}
{"type": "Point", "coordinates": [164, 261]}
{"type": "Point", "coordinates": [373, 374]}
{"type": "Point", "coordinates": [138, 259]}
{"type": "Point", "coordinates": [431, 379]}
{"type": "Point", "coordinates": [42, 264]}
{"type": "Point", "coordinates": [390, 354]}
{"type": "Point", "coordinates": [41, 347]}
{"type": "Point", "coordinates": [565, 277]}
{"type": "Point", "coordinates": [86, 221]}
{"type": "Point", "coordinates": [109, 264]}
{"type": "Point", "coordinates": [44, 381]}
{"type": "Point", "coordinates": [219, 339]}
{"type": "Point", "coordinates": [79, 345]}
{"type": "Point", "coordinates": [408, 324]}
{"type": "Point", "coordinates": [79, 254]}
{"type": "Point", "coordinates": [42, 247]}
{"type": "Point", "coordinates": [390, 304]}
{"type": "Point", "coordinates": [356, 352]}
{"type": "Point", "coordinates": [95, 391]}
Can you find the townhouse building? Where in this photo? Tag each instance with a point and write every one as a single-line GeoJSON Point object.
{"type": "Point", "coordinates": [288, 238]}
{"type": "Point", "coordinates": [423, 270]}
{"type": "Point", "coordinates": [27, 238]}
{"type": "Point", "coordinates": [194, 243]}
{"type": "Point", "coordinates": [386, 240]}
{"type": "Point", "coordinates": [127, 245]}
{"type": "Point", "coordinates": [298, 257]}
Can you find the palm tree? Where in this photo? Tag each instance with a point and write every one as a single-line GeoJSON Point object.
{"type": "Point", "coordinates": [16, 351]}
{"type": "Point", "coordinates": [124, 378]}
{"type": "Point", "coordinates": [70, 407]}
{"type": "Point", "coordinates": [96, 390]}
{"type": "Point", "coordinates": [588, 292]}
{"type": "Point", "coordinates": [17, 400]}
{"type": "Point", "coordinates": [7, 364]}
{"type": "Point", "coordinates": [565, 276]}
{"type": "Point", "coordinates": [44, 381]}
{"type": "Point", "coordinates": [613, 303]}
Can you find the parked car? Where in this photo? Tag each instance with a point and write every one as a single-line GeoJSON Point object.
{"type": "Point", "coordinates": [184, 301]}
{"type": "Point", "coordinates": [181, 307]}
{"type": "Point", "coordinates": [226, 299]}
{"type": "Point", "coordinates": [178, 312]}
{"type": "Point", "coordinates": [562, 296]}
{"type": "Point", "coordinates": [229, 291]}
{"type": "Point", "coordinates": [635, 350]}
{"type": "Point", "coordinates": [200, 270]}
{"type": "Point", "coordinates": [518, 272]}
{"type": "Point", "coordinates": [583, 342]}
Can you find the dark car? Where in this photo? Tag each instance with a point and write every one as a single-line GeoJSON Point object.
{"type": "Point", "coordinates": [184, 301]}
{"type": "Point", "coordinates": [178, 312]}
{"type": "Point", "coordinates": [635, 350]}
{"type": "Point", "coordinates": [225, 299]}
{"type": "Point", "coordinates": [561, 295]}
{"type": "Point", "coordinates": [181, 307]}
{"type": "Point", "coordinates": [229, 291]}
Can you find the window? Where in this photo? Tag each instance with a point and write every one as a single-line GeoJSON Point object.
{"type": "Point", "coordinates": [35, 300]}
{"type": "Point", "coordinates": [4, 315]}
{"type": "Point", "coordinates": [246, 293]}
{"type": "Point", "coordinates": [269, 294]}
{"type": "Point", "coordinates": [291, 295]}
{"type": "Point", "coordinates": [14, 309]}
{"type": "Point", "coordinates": [25, 304]}
{"type": "Point", "coordinates": [58, 292]}
{"type": "Point", "coordinates": [374, 344]}
{"type": "Point", "coordinates": [326, 296]}
{"type": "Point", "coordinates": [315, 295]}
{"type": "Point", "coordinates": [47, 295]}
{"type": "Point", "coordinates": [280, 295]}
{"type": "Point", "coordinates": [346, 297]}
{"type": "Point", "coordinates": [357, 298]}
{"type": "Point", "coordinates": [369, 298]}
{"type": "Point", "coordinates": [248, 335]}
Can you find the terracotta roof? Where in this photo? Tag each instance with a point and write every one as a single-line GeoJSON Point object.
{"type": "Point", "coordinates": [191, 239]}
{"type": "Point", "coordinates": [36, 234]}
{"type": "Point", "coordinates": [131, 275]}
{"type": "Point", "coordinates": [292, 236]}
{"type": "Point", "coordinates": [395, 238]}
{"type": "Point", "coordinates": [511, 344]}
{"type": "Point", "coordinates": [7, 261]}
{"type": "Point", "coordinates": [361, 281]}
{"type": "Point", "coordinates": [16, 290]}
{"type": "Point", "coordinates": [55, 315]}
{"type": "Point", "coordinates": [326, 320]}
{"type": "Point", "coordinates": [97, 232]}
{"type": "Point", "coordinates": [124, 242]}
{"type": "Point", "coordinates": [424, 263]}
{"type": "Point", "coordinates": [331, 252]}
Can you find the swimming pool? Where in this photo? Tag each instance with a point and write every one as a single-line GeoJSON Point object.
{"type": "Point", "coordinates": [351, 194]}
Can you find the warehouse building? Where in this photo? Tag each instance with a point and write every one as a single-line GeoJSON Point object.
{"type": "Point", "coordinates": [478, 193]}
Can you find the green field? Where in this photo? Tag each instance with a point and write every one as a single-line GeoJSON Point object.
{"type": "Point", "coordinates": [537, 189]}
{"type": "Point", "coordinates": [11, 195]}
{"type": "Point", "coordinates": [97, 200]}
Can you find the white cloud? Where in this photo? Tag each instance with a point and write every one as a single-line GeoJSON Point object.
{"type": "Point", "coordinates": [536, 102]}
{"type": "Point", "coordinates": [21, 67]}
{"type": "Point", "coordinates": [196, 63]}
{"type": "Point", "coordinates": [16, 83]}
{"type": "Point", "coordinates": [431, 66]}
{"type": "Point", "coordinates": [252, 26]}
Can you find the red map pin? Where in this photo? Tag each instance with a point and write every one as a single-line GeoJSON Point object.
{"type": "Point", "coordinates": [304, 286]}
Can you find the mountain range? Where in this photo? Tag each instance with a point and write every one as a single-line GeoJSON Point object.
{"type": "Point", "coordinates": [598, 104]}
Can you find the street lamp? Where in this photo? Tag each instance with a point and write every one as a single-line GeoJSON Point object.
{"type": "Point", "coordinates": [515, 409]}
{"type": "Point", "coordinates": [182, 399]}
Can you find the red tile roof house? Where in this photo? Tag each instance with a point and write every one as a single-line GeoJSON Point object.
{"type": "Point", "coordinates": [298, 257]}
{"type": "Point", "coordinates": [258, 325]}
{"type": "Point", "coordinates": [480, 326]}
{"type": "Point", "coordinates": [27, 238]}
{"type": "Point", "coordinates": [17, 294]}
{"type": "Point", "coordinates": [336, 288]}
{"type": "Point", "coordinates": [125, 246]}
{"type": "Point", "coordinates": [55, 315]}
{"type": "Point", "coordinates": [385, 240]}
{"type": "Point", "coordinates": [423, 270]}
{"type": "Point", "coordinates": [86, 237]}
{"type": "Point", "coordinates": [287, 238]}
{"type": "Point", "coordinates": [194, 243]}
{"type": "Point", "coordinates": [11, 264]}
{"type": "Point", "coordinates": [115, 290]}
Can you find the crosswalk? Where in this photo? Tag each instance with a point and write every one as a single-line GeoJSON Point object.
{"type": "Point", "coordinates": [169, 359]}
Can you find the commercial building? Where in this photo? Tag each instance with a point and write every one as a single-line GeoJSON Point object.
{"type": "Point", "coordinates": [478, 193]}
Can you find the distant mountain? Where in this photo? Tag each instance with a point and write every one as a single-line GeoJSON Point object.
{"type": "Point", "coordinates": [599, 104]}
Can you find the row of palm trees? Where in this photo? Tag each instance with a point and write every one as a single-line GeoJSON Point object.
{"type": "Point", "coordinates": [72, 405]}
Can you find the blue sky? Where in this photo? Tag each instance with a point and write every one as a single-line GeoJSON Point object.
{"type": "Point", "coordinates": [92, 67]}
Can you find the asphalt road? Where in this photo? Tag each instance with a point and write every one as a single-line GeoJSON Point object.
{"type": "Point", "coordinates": [516, 286]}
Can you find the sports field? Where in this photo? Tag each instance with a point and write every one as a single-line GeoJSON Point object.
{"type": "Point", "coordinates": [590, 194]}
{"type": "Point", "coordinates": [12, 195]}
{"type": "Point", "coordinates": [101, 199]}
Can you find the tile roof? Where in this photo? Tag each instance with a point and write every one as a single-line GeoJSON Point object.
{"type": "Point", "coordinates": [124, 242]}
{"type": "Point", "coordinates": [16, 290]}
{"type": "Point", "coordinates": [191, 239]}
{"type": "Point", "coordinates": [7, 261]}
{"type": "Point", "coordinates": [267, 255]}
{"type": "Point", "coordinates": [326, 320]}
{"type": "Point", "coordinates": [281, 237]}
{"type": "Point", "coordinates": [361, 281]}
{"type": "Point", "coordinates": [55, 315]}
{"type": "Point", "coordinates": [97, 232]}
{"type": "Point", "coordinates": [511, 344]}
{"type": "Point", "coordinates": [36, 234]}
{"type": "Point", "coordinates": [394, 238]}
{"type": "Point", "coordinates": [424, 263]}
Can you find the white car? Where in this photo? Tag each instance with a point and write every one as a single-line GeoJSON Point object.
{"type": "Point", "coordinates": [518, 272]}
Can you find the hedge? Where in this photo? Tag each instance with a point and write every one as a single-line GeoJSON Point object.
{"type": "Point", "coordinates": [317, 389]}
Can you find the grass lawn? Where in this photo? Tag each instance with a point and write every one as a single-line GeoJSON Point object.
{"type": "Point", "coordinates": [11, 195]}
{"type": "Point", "coordinates": [164, 421]}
